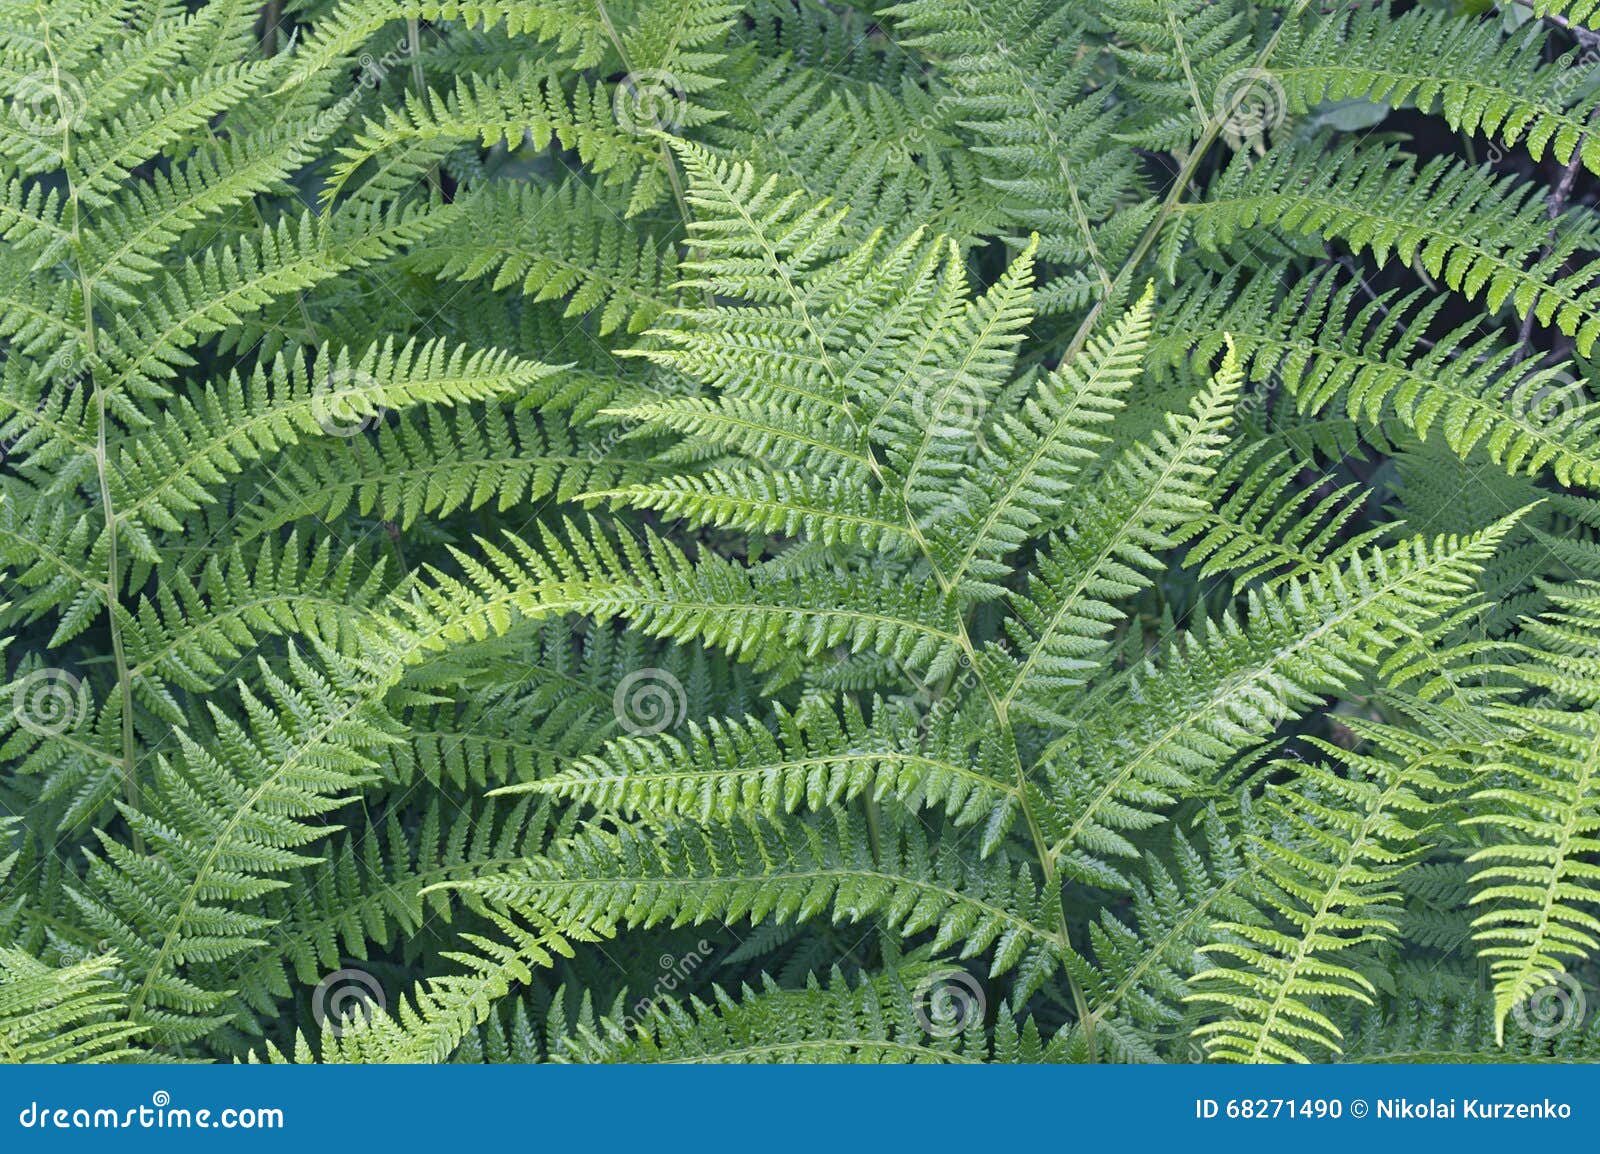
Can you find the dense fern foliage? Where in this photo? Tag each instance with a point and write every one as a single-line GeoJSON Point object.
{"type": "Point", "coordinates": [799, 530]}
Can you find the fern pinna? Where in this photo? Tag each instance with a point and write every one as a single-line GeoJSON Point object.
{"type": "Point", "coordinates": [798, 531]}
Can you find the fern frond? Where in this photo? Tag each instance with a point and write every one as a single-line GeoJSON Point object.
{"type": "Point", "coordinates": [1536, 876]}
{"type": "Point", "coordinates": [756, 870]}
{"type": "Point", "coordinates": [747, 611]}
{"type": "Point", "coordinates": [428, 1024]}
{"type": "Point", "coordinates": [435, 462]}
{"type": "Point", "coordinates": [1369, 361]}
{"type": "Point", "coordinates": [368, 892]}
{"type": "Point", "coordinates": [1144, 961]}
{"type": "Point", "coordinates": [817, 758]}
{"type": "Point", "coordinates": [1479, 235]}
{"type": "Point", "coordinates": [1108, 549]}
{"type": "Point", "coordinates": [1272, 524]}
{"type": "Point", "coordinates": [1230, 683]}
{"type": "Point", "coordinates": [569, 243]}
{"type": "Point", "coordinates": [1467, 71]}
{"type": "Point", "coordinates": [74, 1014]}
{"type": "Point", "coordinates": [1029, 459]}
{"type": "Point", "coordinates": [1018, 80]}
{"type": "Point", "coordinates": [1337, 844]}
{"type": "Point", "coordinates": [872, 1021]}
{"type": "Point", "coordinates": [219, 823]}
